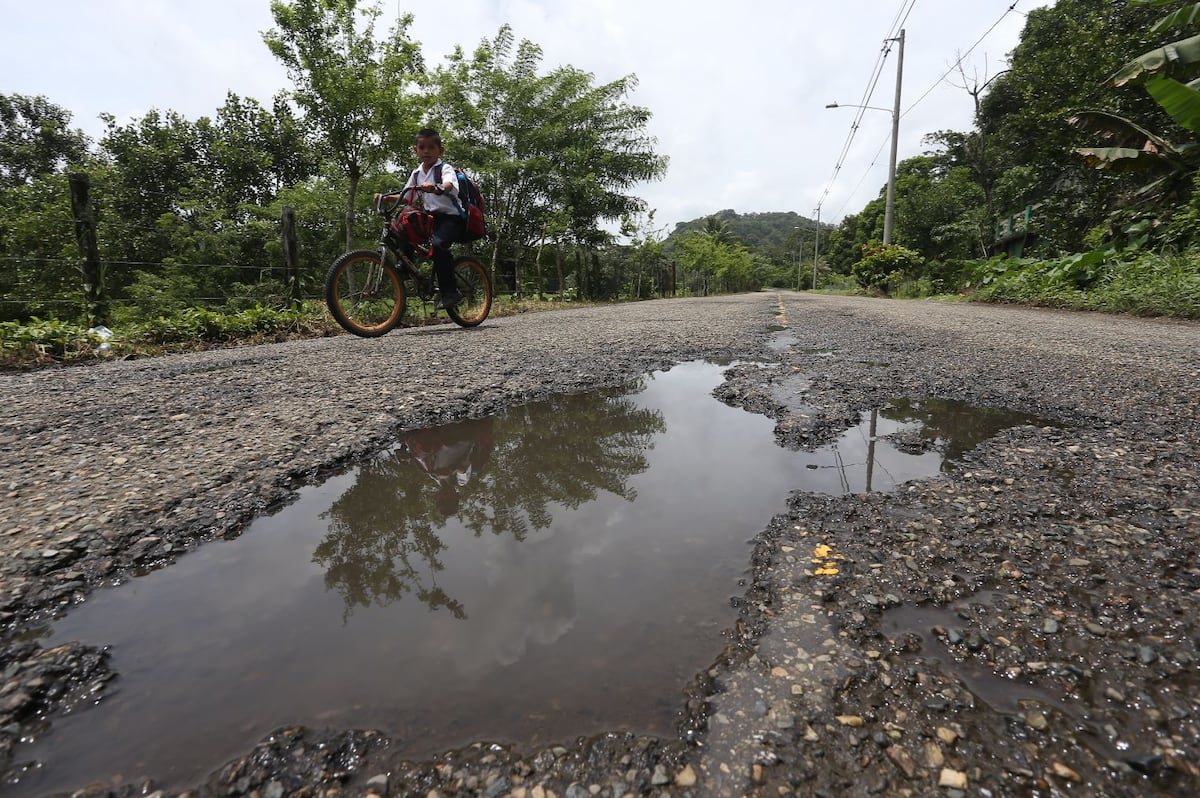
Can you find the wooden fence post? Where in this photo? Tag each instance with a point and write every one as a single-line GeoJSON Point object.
{"type": "Point", "coordinates": [85, 234]}
{"type": "Point", "coordinates": [291, 267]}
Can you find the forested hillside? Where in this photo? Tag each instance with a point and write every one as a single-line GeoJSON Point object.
{"type": "Point", "coordinates": [760, 231]}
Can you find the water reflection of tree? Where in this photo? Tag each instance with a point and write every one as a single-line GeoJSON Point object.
{"type": "Point", "coordinates": [958, 426]}
{"type": "Point", "coordinates": [383, 540]}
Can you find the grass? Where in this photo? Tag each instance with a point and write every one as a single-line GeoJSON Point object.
{"type": "Point", "coordinates": [1146, 284]}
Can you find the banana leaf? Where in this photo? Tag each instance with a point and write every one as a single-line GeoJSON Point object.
{"type": "Point", "coordinates": [1122, 132]}
{"type": "Point", "coordinates": [1178, 100]}
{"type": "Point", "coordinates": [1183, 18]}
{"type": "Point", "coordinates": [1168, 58]}
{"type": "Point", "coordinates": [1128, 159]}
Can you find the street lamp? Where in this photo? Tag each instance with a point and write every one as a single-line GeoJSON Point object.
{"type": "Point", "coordinates": [890, 207]}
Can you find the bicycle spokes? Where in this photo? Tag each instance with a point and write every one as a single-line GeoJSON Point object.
{"type": "Point", "coordinates": [365, 297]}
{"type": "Point", "coordinates": [475, 286]}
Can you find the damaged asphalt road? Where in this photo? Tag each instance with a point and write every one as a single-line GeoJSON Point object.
{"type": "Point", "coordinates": [1024, 624]}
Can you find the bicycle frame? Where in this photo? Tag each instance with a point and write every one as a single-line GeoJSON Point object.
{"type": "Point", "coordinates": [391, 243]}
{"type": "Point", "coordinates": [366, 289]}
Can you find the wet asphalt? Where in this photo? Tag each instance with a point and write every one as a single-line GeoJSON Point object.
{"type": "Point", "coordinates": [1023, 624]}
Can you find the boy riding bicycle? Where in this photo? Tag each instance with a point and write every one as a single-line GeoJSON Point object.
{"type": "Point", "coordinates": [441, 199]}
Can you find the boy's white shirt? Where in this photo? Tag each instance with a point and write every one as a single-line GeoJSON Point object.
{"type": "Point", "coordinates": [437, 203]}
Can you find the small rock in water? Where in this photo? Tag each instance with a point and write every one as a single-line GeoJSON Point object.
{"type": "Point", "coordinates": [1064, 772]}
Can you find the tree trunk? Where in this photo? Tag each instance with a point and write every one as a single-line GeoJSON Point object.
{"type": "Point", "coordinates": [85, 235]}
{"type": "Point", "coordinates": [538, 261]}
{"type": "Point", "coordinates": [291, 268]}
{"type": "Point", "coordinates": [517, 271]}
{"type": "Point", "coordinates": [562, 286]}
{"type": "Point", "coordinates": [495, 260]}
{"type": "Point", "coordinates": [351, 195]}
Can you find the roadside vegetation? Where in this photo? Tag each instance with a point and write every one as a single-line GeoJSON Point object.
{"type": "Point", "coordinates": [1076, 188]}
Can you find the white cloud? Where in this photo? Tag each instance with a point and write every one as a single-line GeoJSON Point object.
{"type": "Point", "coordinates": [737, 90]}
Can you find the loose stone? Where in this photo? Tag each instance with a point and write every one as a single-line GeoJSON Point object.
{"type": "Point", "coordinates": [686, 777]}
{"type": "Point", "coordinates": [954, 779]}
{"type": "Point", "coordinates": [1063, 772]}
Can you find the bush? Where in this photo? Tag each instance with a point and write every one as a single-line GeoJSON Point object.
{"type": "Point", "coordinates": [1145, 284]}
{"type": "Point", "coordinates": [881, 263]}
{"type": "Point", "coordinates": [42, 342]}
{"type": "Point", "coordinates": [38, 341]}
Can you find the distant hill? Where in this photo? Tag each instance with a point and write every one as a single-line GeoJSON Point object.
{"type": "Point", "coordinates": [758, 231]}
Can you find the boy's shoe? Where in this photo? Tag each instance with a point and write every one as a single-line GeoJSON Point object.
{"type": "Point", "coordinates": [449, 300]}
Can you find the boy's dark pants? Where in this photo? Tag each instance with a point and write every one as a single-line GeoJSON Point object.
{"type": "Point", "coordinates": [447, 228]}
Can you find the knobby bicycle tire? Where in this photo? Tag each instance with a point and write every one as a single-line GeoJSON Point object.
{"type": "Point", "coordinates": [365, 295]}
{"type": "Point", "coordinates": [476, 287]}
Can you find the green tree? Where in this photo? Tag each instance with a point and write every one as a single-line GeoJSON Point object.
{"type": "Point", "coordinates": [1025, 112]}
{"type": "Point", "coordinates": [153, 188]}
{"type": "Point", "coordinates": [255, 152]}
{"type": "Point", "coordinates": [938, 209]}
{"type": "Point", "coordinates": [545, 145]}
{"type": "Point", "coordinates": [884, 263]}
{"type": "Point", "coordinates": [647, 253]}
{"type": "Point", "coordinates": [36, 139]}
{"type": "Point", "coordinates": [38, 255]}
{"type": "Point", "coordinates": [1169, 165]}
{"type": "Point", "coordinates": [353, 88]}
{"type": "Point", "coordinates": [710, 265]}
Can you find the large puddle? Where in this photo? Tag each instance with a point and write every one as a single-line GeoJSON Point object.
{"type": "Point", "coordinates": [559, 570]}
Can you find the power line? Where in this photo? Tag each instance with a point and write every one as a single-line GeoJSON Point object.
{"type": "Point", "coordinates": [861, 180]}
{"type": "Point", "coordinates": [248, 267]}
{"type": "Point", "coordinates": [869, 92]}
{"type": "Point", "coordinates": [961, 58]}
{"type": "Point", "coordinates": [898, 22]}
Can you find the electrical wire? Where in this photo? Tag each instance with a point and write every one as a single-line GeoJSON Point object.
{"type": "Point", "coordinates": [897, 24]}
{"type": "Point", "coordinates": [961, 58]}
{"type": "Point", "coordinates": [20, 259]}
{"type": "Point", "coordinates": [868, 93]}
{"type": "Point", "coordinates": [861, 109]}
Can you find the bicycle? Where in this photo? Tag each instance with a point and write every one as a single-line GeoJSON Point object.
{"type": "Point", "coordinates": [367, 290]}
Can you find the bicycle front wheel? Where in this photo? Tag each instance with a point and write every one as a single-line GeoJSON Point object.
{"type": "Point", "coordinates": [476, 287]}
{"type": "Point", "coordinates": [365, 295]}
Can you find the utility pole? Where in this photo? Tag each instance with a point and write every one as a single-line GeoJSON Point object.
{"type": "Point", "coordinates": [816, 248]}
{"type": "Point", "coordinates": [890, 211]}
{"type": "Point", "coordinates": [799, 253]}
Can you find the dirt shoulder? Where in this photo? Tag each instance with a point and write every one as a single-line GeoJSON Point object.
{"type": "Point", "coordinates": [1024, 624]}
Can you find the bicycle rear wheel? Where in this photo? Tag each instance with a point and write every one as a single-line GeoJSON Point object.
{"type": "Point", "coordinates": [476, 287]}
{"type": "Point", "coordinates": [365, 295]}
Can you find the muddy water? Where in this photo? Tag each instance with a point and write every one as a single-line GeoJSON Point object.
{"type": "Point", "coordinates": [559, 570]}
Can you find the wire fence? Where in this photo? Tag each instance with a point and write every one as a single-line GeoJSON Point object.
{"type": "Point", "coordinates": [23, 293]}
{"type": "Point", "coordinates": [92, 286]}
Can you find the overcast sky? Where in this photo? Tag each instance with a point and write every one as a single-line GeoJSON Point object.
{"type": "Point", "coordinates": [737, 89]}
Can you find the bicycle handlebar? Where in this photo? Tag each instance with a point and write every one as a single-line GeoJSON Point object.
{"type": "Point", "coordinates": [388, 202]}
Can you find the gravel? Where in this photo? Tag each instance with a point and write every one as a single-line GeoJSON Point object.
{"type": "Point", "coordinates": [1024, 624]}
